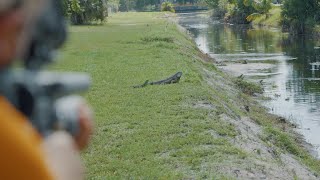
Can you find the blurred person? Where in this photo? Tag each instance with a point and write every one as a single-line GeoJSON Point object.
{"type": "Point", "coordinates": [24, 153]}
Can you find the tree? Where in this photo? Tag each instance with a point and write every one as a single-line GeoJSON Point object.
{"type": "Point", "coordinates": [213, 3]}
{"type": "Point", "coordinates": [113, 5]}
{"type": "Point", "coordinates": [167, 6]}
{"type": "Point", "coordinates": [300, 16]}
{"type": "Point", "coordinates": [142, 5]}
{"type": "Point", "coordinates": [85, 11]}
{"type": "Point", "coordinates": [127, 5]}
{"type": "Point", "coordinates": [241, 10]}
{"type": "Point", "coordinates": [262, 8]}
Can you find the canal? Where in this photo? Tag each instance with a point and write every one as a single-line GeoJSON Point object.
{"type": "Point", "coordinates": [288, 68]}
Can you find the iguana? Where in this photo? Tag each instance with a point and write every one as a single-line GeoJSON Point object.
{"type": "Point", "coordinates": [170, 80]}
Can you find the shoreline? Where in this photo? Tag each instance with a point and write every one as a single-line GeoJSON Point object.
{"type": "Point", "coordinates": [235, 69]}
{"type": "Point", "coordinates": [234, 73]}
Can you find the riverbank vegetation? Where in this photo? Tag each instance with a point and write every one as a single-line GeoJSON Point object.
{"type": "Point", "coordinates": [300, 17]}
{"type": "Point", "coordinates": [167, 6]}
{"type": "Point", "coordinates": [294, 16]}
{"type": "Point", "coordinates": [207, 126]}
{"type": "Point", "coordinates": [241, 11]}
{"type": "Point", "coordinates": [272, 19]}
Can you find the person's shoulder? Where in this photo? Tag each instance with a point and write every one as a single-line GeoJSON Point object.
{"type": "Point", "coordinates": [21, 150]}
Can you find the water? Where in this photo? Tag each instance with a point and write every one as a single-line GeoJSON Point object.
{"type": "Point", "coordinates": [289, 67]}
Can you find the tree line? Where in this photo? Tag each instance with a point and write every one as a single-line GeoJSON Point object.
{"type": "Point", "coordinates": [86, 11]}
{"type": "Point", "coordinates": [298, 16]}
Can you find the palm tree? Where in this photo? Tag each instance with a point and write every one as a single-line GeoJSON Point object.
{"type": "Point", "coordinates": [262, 8]}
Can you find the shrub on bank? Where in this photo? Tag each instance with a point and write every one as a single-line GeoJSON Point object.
{"type": "Point", "coordinates": [167, 6]}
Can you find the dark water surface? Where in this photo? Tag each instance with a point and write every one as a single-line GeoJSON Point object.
{"type": "Point", "coordinates": [293, 84]}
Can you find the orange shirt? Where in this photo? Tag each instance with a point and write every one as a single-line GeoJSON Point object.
{"type": "Point", "coordinates": [21, 155]}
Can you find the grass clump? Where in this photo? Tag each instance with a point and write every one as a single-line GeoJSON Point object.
{"type": "Point", "coordinates": [248, 87]}
{"type": "Point", "coordinates": [282, 140]}
{"type": "Point", "coordinates": [157, 39]}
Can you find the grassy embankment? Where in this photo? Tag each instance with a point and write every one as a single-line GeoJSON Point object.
{"type": "Point", "coordinates": [168, 131]}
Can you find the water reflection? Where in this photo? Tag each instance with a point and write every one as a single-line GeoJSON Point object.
{"type": "Point", "coordinates": [293, 83]}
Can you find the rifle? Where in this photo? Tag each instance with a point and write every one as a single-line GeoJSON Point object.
{"type": "Point", "coordinates": [46, 97]}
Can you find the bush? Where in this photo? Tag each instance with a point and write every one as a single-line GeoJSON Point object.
{"type": "Point", "coordinates": [167, 6]}
{"type": "Point", "coordinates": [84, 11]}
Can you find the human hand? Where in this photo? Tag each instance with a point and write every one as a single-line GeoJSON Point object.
{"type": "Point", "coordinates": [62, 149]}
{"type": "Point", "coordinates": [85, 127]}
{"type": "Point", "coordinates": [63, 157]}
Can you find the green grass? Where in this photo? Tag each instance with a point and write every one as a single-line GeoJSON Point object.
{"type": "Point", "coordinates": [156, 132]}
{"type": "Point", "coordinates": [151, 132]}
